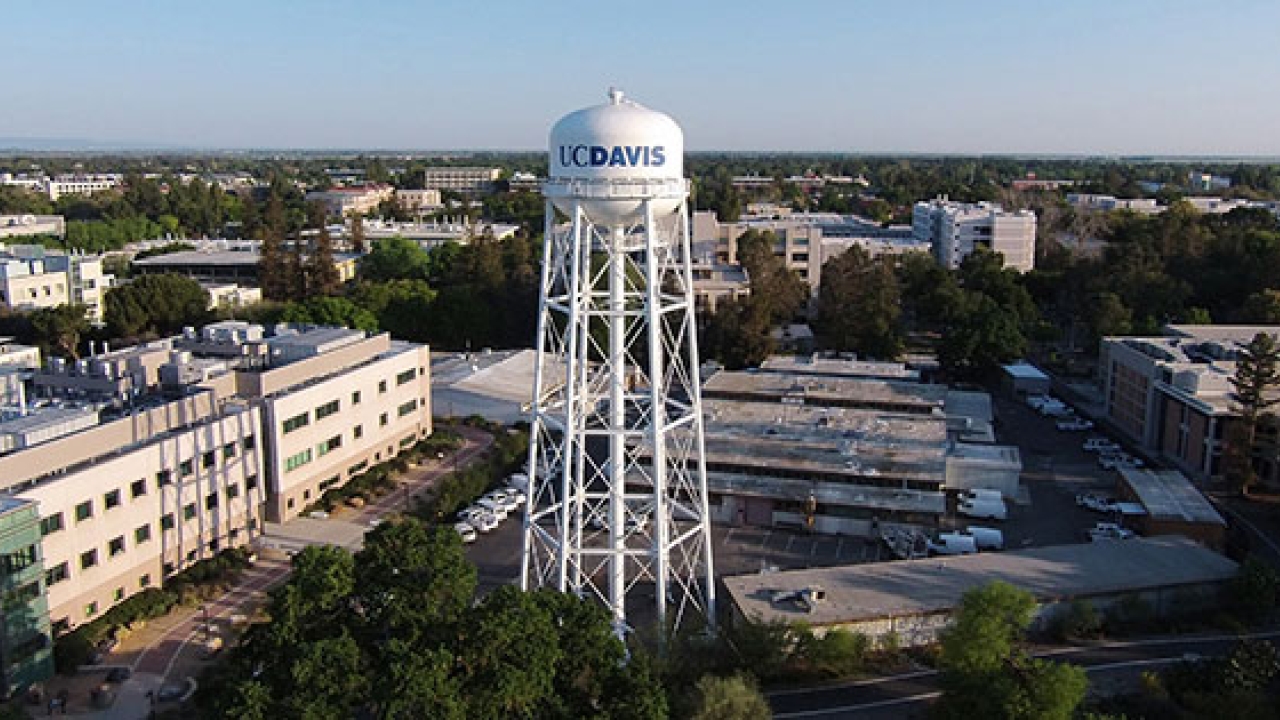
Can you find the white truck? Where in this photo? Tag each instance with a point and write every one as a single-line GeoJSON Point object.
{"type": "Point", "coordinates": [984, 509]}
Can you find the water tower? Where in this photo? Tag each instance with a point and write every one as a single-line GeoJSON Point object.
{"type": "Point", "coordinates": [617, 483]}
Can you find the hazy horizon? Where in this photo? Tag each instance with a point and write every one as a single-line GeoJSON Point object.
{"type": "Point", "coordinates": [1090, 78]}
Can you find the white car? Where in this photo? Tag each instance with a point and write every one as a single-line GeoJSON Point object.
{"type": "Point", "coordinates": [984, 509]}
{"type": "Point", "coordinates": [504, 498]}
{"type": "Point", "coordinates": [1074, 424]}
{"type": "Point", "coordinates": [1108, 531]}
{"type": "Point", "coordinates": [495, 508]}
{"type": "Point", "coordinates": [519, 481]}
{"type": "Point", "coordinates": [1096, 503]}
{"type": "Point", "coordinates": [1100, 445]}
{"type": "Point", "coordinates": [479, 518]}
{"type": "Point", "coordinates": [466, 532]}
{"type": "Point", "coordinates": [1118, 460]}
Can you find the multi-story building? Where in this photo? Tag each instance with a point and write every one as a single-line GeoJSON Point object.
{"type": "Point", "coordinates": [1172, 396]}
{"type": "Point", "coordinates": [354, 199]}
{"type": "Point", "coordinates": [419, 201]}
{"type": "Point", "coordinates": [226, 267]}
{"type": "Point", "coordinates": [26, 655]}
{"type": "Point", "coordinates": [81, 184]}
{"type": "Point", "coordinates": [804, 241]}
{"type": "Point", "coordinates": [466, 180]}
{"type": "Point", "coordinates": [32, 278]}
{"type": "Point", "coordinates": [28, 225]}
{"type": "Point", "coordinates": [334, 403]}
{"type": "Point", "coordinates": [954, 230]}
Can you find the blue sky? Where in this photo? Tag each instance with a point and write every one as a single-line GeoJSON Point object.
{"type": "Point", "coordinates": [1077, 76]}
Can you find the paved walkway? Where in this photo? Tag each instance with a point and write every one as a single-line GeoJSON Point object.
{"type": "Point", "coordinates": [170, 650]}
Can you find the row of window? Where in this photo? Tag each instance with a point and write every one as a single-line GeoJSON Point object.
{"type": "Point", "coordinates": [332, 407]}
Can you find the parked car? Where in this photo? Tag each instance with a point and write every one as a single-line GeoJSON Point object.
{"type": "Point", "coordinates": [479, 518]}
{"type": "Point", "coordinates": [1057, 411]}
{"type": "Point", "coordinates": [1096, 503]}
{"type": "Point", "coordinates": [1118, 460]}
{"type": "Point", "coordinates": [953, 544]}
{"type": "Point", "coordinates": [1108, 531]}
{"type": "Point", "coordinates": [980, 494]}
{"type": "Point", "coordinates": [986, 538]}
{"type": "Point", "coordinates": [119, 674]}
{"type": "Point", "coordinates": [1074, 425]}
{"type": "Point", "coordinates": [1100, 445]}
{"type": "Point", "coordinates": [984, 509]}
{"type": "Point", "coordinates": [466, 532]}
{"type": "Point", "coordinates": [519, 481]}
{"type": "Point", "coordinates": [497, 509]}
{"type": "Point", "coordinates": [504, 498]}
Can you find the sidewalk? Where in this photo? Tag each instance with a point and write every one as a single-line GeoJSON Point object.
{"type": "Point", "coordinates": [168, 651]}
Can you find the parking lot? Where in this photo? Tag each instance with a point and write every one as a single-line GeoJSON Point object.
{"type": "Point", "coordinates": [1055, 470]}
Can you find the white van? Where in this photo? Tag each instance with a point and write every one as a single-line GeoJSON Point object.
{"type": "Point", "coordinates": [986, 538]}
{"type": "Point", "coordinates": [984, 509]}
{"type": "Point", "coordinates": [953, 544]}
{"type": "Point", "coordinates": [981, 495]}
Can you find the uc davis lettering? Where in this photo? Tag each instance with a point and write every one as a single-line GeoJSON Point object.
{"type": "Point", "coordinates": [615, 156]}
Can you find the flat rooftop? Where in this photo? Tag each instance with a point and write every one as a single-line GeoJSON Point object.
{"type": "Point", "coordinates": [1025, 371]}
{"type": "Point", "coordinates": [1168, 495]}
{"type": "Point", "coordinates": [504, 375]}
{"type": "Point", "coordinates": [918, 587]}
{"type": "Point", "coordinates": [798, 388]}
{"type": "Point", "coordinates": [838, 367]}
{"type": "Point", "coordinates": [216, 258]}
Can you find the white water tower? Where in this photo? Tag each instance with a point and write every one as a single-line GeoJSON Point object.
{"type": "Point", "coordinates": [617, 490]}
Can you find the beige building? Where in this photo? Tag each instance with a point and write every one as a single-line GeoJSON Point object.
{"type": "Point", "coordinates": [1171, 394]}
{"type": "Point", "coordinates": [352, 200]}
{"type": "Point", "coordinates": [27, 225]}
{"type": "Point", "coordinates": [419, 201]}
{"type": "Point", "coordinates": [31, 279]}
{"type": "Point", "coordinates": [335, 402]}
{"type": "Point", "coordinates": [954, 230]}
{"type": "Point", "coordinates": [128, 502]}
{"type": "Point", "coordinates": [467, 180]}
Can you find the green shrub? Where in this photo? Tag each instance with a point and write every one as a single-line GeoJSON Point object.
{"type": "Point", "coordinates": [1078, 620]}
{"type": "Point", "coordinates": [838, 653]}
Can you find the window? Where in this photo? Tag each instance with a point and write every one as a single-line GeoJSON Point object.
{"type": "Point", "coordinates": [326, 410]}
{"type": "Point", "coordinates": [111, 499]}
{"type": "Point", "coordinates": [233, 491]}
{"type": "Point", "coordinates": [406, 376]}
{"type": "Point", "coordinates": [91, 609]}
{"type": "Point", "coordinates": [207, 460]}
{"type": "Point", "coordinates": [189, 511]}
{"type": "Point", "coordinates": [358, 467]}
{"type": "Point", "coordinates": [251, 482]}
{"type": "Point", "coordinates": [357, 432]}
{"type": "Point", "coordinates": [211, 501]}
{"type": "Point", "coordinates": [228, 451]}
{"type": "Point", "coordinates": [56, 574]}
{"type": "Point", "coordinates": [166, 522]}
{"type": "Point", "coordinates": [164, 477]}
{"type": "Point", "coordinates": [297, 460]}
{"type": "Point", "coordinates": [18, 560]}
{"type": "Point", "coordinates": [382, 420]}
{"type": "Point", "coordinates": [51, 524]}
{"type": "Point", "coordinates": [138, 488]}
{"type": "Point", "coordinates": [88, 559]}
{"type": "Point", "coordinates": [355, 398]}
{"type": "Point", "coordinates": [142, 534]}
{"type": "Point", "coordinates": [382, 386]}
{"type": "Point", "coordinates": [297, 421]}
{"type": "Point", "coordinates": [115, 546]}
{"type": "Point", "coordinates": [84, 510]}
{"type": "Point", "coordinates": [249, 442]}
{"type": "Point", "coordinates": [329, 445]}
{"type": "Point", "coordinates": [408, 408]}
{"type": "Point", "coordinates": [186, 467]}
{"type": "Point", "coordinates": [119, 594]}
{"type": "Point", "coordinates": [144, 581]}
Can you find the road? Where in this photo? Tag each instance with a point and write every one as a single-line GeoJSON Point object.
{"type": "Point", "coordinates": [907, 694]}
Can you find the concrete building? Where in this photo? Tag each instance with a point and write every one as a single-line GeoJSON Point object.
{"type": "Point", "coordinates": [1109, 203]}
{"type": "Point", "coordinates": [26, 640]}
{"type": "Point", "coordinates": [32, 278]}
{"type": "Point", "coordinates": [82, 184]}
{"type": "Point", "coordinates": [1171, 394]}
{"type": "Point", "coordinates": [28, 225]}
{"type": "Point", "coordinates": [466, 180]}
{"type": "Point", "coordinates": [419, 201]}
{"type": "Point", "coordinates": [432, 234]}
{"type": "Point", "coordinates": [1198, 181]}
{"type": "Point", "coordinates": [216, 267]}
{"type": "Point", "coordinates": [715, 283]}
{"type": "Point", "coordinates": [1022, 378]}
{"type": "Point", "coordinates": [909, 602]}
{"type": "Point", "coordinates": [345, 200]}
{"type": "Point", "coordinates": [805, 241]}
{"type": "Point", "coordinates": [231, 295]}
{"type": "Point", "coordinates": [841, 445]}
{"type": "Point", "coordinates": [495, 385]}
{"type": "Point", "coordinates": [334, 402]}
{"type": "Point", "coordinates": [954, 230]}
{"type": "Point", "coordinates": [1172, 505]}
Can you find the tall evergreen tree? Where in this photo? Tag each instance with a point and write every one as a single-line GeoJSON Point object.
{"type": "Point", "coordinates": [858, 305]}
{"type": "Point", "coordinates": [1256, 379]}
{"type": "Point", "coordinates": [321, 274]}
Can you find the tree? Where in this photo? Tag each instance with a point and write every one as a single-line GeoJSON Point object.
{"type": "Point", "coordinates": [986, 674]}
{"type": "Point", "coordinates": [155, 304]}
{"type": "Point", "coordinates": [322, 274]}
{"type": "Point", "coordinates": [329, 310]}
{"type": "Point", "coordinates": [1257, 377]}
{"type": "Point", "coordinates": [58, 329]}
{"type": "Point", "coordinates": [731, 698]}
{"type": "Point", "coordinates": [858, 305]}
{"type": "Point", "coordinates": [395, 258]}
{"type": "Point", "coordinates": [273, 270]}
{"type": "Point", "coordinates": [357, 233]}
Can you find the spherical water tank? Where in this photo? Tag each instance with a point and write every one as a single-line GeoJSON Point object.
{"type": "Point", "coordinates": [613, 156]}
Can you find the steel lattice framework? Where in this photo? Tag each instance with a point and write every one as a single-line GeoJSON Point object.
{"type": "Point", "coordinates": [617, 494]}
